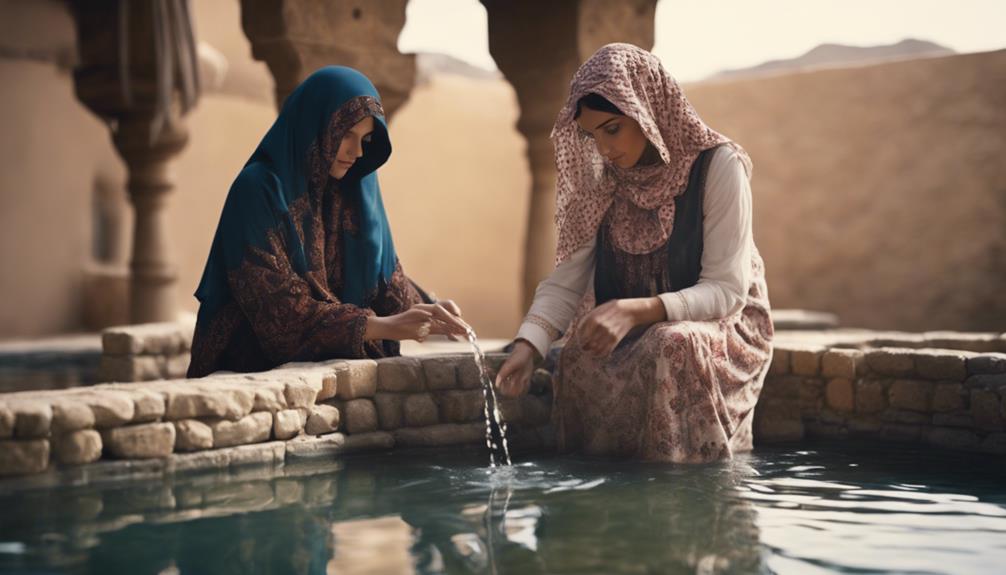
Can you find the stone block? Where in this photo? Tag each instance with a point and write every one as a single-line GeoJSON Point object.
{"type": "Point", "coordinates": [189, 402]}
{"type": "Point", "coordinates": [356, 379]}
{"type": "Point", "coordinates": [359, 416]}
{"type": "Point", "coordinates": [176, 367]}
{"type": "Point", "coordinates": [891, 361]}
{"type": "Point", "coordinates": [986, 381]}
{"type": "Point", "coordinates": [910, 394]}
{"type": "Point", "coordinates": [440, 372]}
{"type": "Point", "coordinates": [842, 363]}
{"type": "Point", "coordinates": [948, 397]}
{"type": "Point", "coordinates": [199, 461]}
{"type": "Point", "coordinates": [870, 396]}
{"type": "Point", "coordinates": [840, 395]}
{"type": "Point", "coordinates": [144, 441]}
{"type": "Point", "coordinates": [323, 419]}
{"type": "Point", "coordinates": [253, 428]}
{"type": "Point", "coordinates": [420, 410]}
{"type": "Point", "coordinates": [811, 395]}
{"type": "Point", "coordinates": [390, 410]}
{"type": "Point", "coordinates": [70, 415]}
{"type": "Point", "coordinates": [941, 364]}
{"type": "Point", "coordinates": [987, 363]}
{"type": "Point", "coordinates": [164, 338]}
{"type": "Point", "coordinates": [440, 435]}
{"type": "Point", "coordinates": [400, 374]}
{"type": "Point", "coordinates": [111, 408]}
{"type": "Point", "coordinates": [126, 368]}
{"type": "Point", "coordinates": [985, 408]}
{"type": "Point", "coordinates": [148, 405]}
{"type": "Point", "coordinates": [806, 360]}
{"type": "Point", "coordinates": [780, 362]}
{"type": "Point", "coordinates": [309, 446]}
{"type": "Point", "coordinates": [287, 423]}
{"type": "Point", "coordinates": [271, 454]}
{"type": "Point", "coordinates": [192, 435]}
{"type": "Point", "coordinates": [77, 447]}
{"type": "Point", "coordinates": [469, 376]}
{"type": "Point", "coordinates": [269, 397]}
{"type": "Point", "coordinates": [968, 341]}
{"type": "Point", "coordinates": [32, 418]}
{"type": "Point", "coordinates": [462, 406]}
{"type": "Point", "coordinates": [952, 438]}
{"type": "Point", "coordinates": [374, 441]}
{"type": "Point", "coordinates": [24, 456]}
{"type": "Point", "coordinates": [299, 394]}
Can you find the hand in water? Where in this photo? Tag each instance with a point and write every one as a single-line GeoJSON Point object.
{"type": "Point", "coordinates": [514, 378]}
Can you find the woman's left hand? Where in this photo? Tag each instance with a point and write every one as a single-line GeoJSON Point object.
{"type": "Point", "coordinates": [453, 309]}
{"type": "Point", "coordinates": [446, 319]}
{"type": "Point", "coordinates": [605, 326]}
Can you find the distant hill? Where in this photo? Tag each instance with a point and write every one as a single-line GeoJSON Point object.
{"type": "Point", "coordinates": [430, 64]}
{"type": "Point", "coordinates": [834, 55]}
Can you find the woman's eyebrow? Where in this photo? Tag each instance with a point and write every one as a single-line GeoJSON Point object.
{"type": "Point", "coordinates": [602, 124]}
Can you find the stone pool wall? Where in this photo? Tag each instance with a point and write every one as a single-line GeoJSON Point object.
{"type": "Point", "coordinates": [948, 390]}
{"type": "Point", "coordinates": [295, 411]}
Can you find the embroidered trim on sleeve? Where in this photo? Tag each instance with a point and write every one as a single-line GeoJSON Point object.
{"type": "Point", "coordinates": [542, 323]}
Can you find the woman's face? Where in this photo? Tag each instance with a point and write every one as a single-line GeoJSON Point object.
{"type": "Point", "coordinates": [618, 138]}
{"type": "Point", "coordinates": [351, 147]}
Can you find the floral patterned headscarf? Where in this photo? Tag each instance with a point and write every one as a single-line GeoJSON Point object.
{"type": "Point", "coordinates": [642, 197]}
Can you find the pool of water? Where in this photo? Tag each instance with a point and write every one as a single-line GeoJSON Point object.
{"type": "Point", "coordinates": [812, 508]}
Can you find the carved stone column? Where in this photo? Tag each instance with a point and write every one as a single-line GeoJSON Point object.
{"type": "Point", "coordinates": [296, 37]}
{"type": "Point", "coordinates": [137, 71]}
{"type": "Point", "coordinates": [538, 46]}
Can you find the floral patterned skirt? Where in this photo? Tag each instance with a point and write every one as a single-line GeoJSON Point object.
{"type": "Point", "coordinates": [679, 391]}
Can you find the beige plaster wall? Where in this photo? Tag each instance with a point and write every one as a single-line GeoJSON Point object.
{"type": "Point", "coordinates": [880, 191]}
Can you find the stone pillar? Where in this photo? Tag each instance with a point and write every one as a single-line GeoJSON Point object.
{"type": "Point", "coordinates": [296, 37]}
{"type": "Point", "coordinates": [538, 47]}
{"type": "Point", "coordinates": [137, 71]}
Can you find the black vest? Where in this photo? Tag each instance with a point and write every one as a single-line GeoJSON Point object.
{"type": "Point", "coordinates": [681, 254]}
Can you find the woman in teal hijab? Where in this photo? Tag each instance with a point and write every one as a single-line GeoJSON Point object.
{"type": "Point", "coordinates": [302, 266]}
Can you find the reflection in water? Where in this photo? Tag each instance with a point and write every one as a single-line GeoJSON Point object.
{"type": "Point", "coordinates": [444, 512]}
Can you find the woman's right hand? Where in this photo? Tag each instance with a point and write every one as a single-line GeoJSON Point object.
{"type": "Point", "coordinates": [514, 377]}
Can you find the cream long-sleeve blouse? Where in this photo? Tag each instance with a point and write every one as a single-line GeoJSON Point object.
{"type": "Point", "coordinates": [726, 263]}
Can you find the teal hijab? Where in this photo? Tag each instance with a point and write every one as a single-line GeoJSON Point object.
{"type": "Point", "coordinates": [291, 161]}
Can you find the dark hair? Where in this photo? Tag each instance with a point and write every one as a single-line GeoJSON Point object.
{"type": "Point", "coordinates": [596, 102]}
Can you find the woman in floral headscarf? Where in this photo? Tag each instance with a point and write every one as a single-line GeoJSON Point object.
{"type": "Point", "coordinates": [669, 350]}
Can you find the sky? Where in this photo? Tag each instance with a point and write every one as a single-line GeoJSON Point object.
{"type": "Point", "coordinates": [697, 38]}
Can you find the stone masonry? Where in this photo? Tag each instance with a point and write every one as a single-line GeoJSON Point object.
{"type": "Point", "coordinates": [944, 389]}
